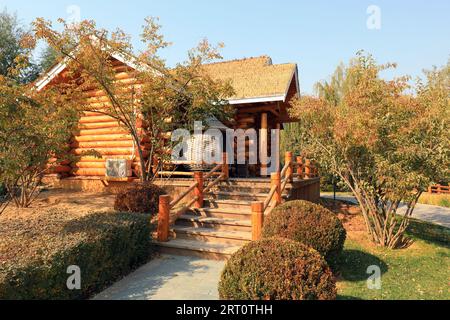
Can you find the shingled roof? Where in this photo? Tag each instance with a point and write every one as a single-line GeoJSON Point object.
{"type": "Point", "coordinates": [255, 78]}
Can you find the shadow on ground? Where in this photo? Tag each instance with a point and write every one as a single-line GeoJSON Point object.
{"type": "Point", "coordinates": [429, 232]}
{"type": "Point", "coordinates": [352, 265]}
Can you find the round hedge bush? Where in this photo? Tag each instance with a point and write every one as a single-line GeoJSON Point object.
{"type": "Point", "coordinates": [308, 223]}
{"type": "Point", "coordinates": [139, 198]}
{"type": "Point", "coordinates": [276, 269]}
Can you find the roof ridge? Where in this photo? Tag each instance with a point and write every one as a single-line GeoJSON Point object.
{"type": "Point", "coordinates": [241, 59]}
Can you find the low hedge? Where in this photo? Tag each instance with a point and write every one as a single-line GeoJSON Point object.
{"type": "Point", "coordinates": [308, 223]}
{"type": "Point", "coordinates": [139, 197]}
{"type": "Point", "coordinates": [277, 269]}
{"type": "Point", "coordinates": [35, 252]}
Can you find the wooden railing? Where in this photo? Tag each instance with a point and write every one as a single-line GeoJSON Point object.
{"type": "Point", "coordinates": [439, 189]}
{"type": "Point", "coordinates": [167, 214]}
{"type": "Point", "coordinates": [304, 169]}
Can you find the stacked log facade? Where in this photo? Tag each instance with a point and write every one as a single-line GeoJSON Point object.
{"type": "Point", "coordinates": [102, 133]}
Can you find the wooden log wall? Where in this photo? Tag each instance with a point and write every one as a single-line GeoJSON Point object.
{"type": "Point", "coordinates": [103, 134]}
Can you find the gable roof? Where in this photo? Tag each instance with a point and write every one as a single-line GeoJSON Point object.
{"type": "Point", "coordinates": [255, 79]}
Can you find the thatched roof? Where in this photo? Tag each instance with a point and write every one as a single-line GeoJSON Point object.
{"type": "Point", "coordinates": [254, 77]}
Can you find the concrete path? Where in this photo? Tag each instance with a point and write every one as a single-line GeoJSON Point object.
{"type": "Point", "coordinates": [425, 212]}
{"type": "Point", "coordinates": [169, 277]}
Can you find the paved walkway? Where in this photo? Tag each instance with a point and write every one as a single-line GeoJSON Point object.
{"type": "Point", "coordinates": [169, 277]}
{"type": "Point", "coordinates": [425, 212]}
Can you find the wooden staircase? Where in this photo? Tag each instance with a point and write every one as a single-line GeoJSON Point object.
{"type": "Point", "coordinates": [224, 213]}
{"type": "Point", "coordinates": [222, 225]}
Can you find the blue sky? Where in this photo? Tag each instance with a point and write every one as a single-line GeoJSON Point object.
{"type": "Point", "coordinates": [315, 34]}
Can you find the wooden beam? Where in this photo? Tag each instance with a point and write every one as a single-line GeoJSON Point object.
{"type": "Point", "coordinates": [259, 109]}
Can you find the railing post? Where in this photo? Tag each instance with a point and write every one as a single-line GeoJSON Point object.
{"type": "Point", "coordinates": [225, 168]}
{"type": "Point", "coordinates": [257, 219]}
{"type": "Point", "coordinates": [300, 167]}
{"type": "Point", "coordinates": [307, 169]}
{"type": "Point", "coordinates": [198, 191]}
{"type": "Point", "coordinates": [290, 170]}
{"type": "Point", "coordinates": [316, 169]}
{"type": "Point", "coordinates": [163, 218]}
{"type": "Point", "coordinates": [275, 180]}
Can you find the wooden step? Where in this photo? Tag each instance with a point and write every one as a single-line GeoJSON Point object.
{"type": "Point", "coordinates": [214, 223]}
{"type": "Point", "coordinates": [207, 250]}
{"type": "Point", "coordinates": [233, 195]}
{"type": "Point", "coordinates": [229, 237]}
{"type": "Point", "coordinates": [228, 204]}
{"type": "Point", "coordinates": [222, 213]}
{"type": "Point", "coordinates": [248, 189]}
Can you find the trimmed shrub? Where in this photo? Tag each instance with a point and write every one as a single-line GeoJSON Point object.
{"type": "Point", "coordinates": [140, 198]}
{"type": "Point", "coordinates": [308, 223]}
{"type": "Point", "coordinates": [277, 269]}
{"type": "Point", "coordinates": [35, 253]}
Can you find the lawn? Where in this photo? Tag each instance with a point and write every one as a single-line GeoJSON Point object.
{"type": "Point", "coordinates": [421, 271]}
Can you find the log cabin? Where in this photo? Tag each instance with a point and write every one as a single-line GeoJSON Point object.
{"type": "Point", "coordinates": [263, 92]}
{"type": "Point", "coordinates": [210, 214]}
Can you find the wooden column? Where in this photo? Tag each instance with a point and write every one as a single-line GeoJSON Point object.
{"type": "Point", "coordinates": [198, 191]}
{"type": "Point", "coordinates": [263, 142]}
{"type": "Point", "coordinates": [275, 180]}
{"type": "Point", "coordinates": [290, 170]}
{"type": "Point", "coordinates": [278, 148]}
{"type": "Point", "coordinates": [300, 167]}
{"type": "Point", "coordinates": [257, 219]}
{"type": "Point", "coordinates": [225, 168]}
{"type": "Point", "coordinates": [163, 218]}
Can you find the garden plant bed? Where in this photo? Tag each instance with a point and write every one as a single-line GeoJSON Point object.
{"type": "Point", "coordinates": [416, 272]}
{"type": "Point", "coordinates": [38, 244]}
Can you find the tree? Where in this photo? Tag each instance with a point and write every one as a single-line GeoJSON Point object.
{"type": "Point", "coordinates": [162, 100]}
{"type": "Point", "coordinates": [48, 58]}
{"type": "Point", "coordinates": [334, 90]}
{"type": "Point", "coordinates": [11, 35]}
{"type": "Point", "coordinates": [386, 145]}
{"type": "Point", "coordinates": [34, 128]}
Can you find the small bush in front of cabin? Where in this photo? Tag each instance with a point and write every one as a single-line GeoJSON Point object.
{"type": "Point", "coordinates": [35, 253]}
{"type": "Point", "coordinates": [308, 223]}
{"type": "Point", "coordinates": [140, 198]}
{"type": "Point", "coordinates": [277, 269]}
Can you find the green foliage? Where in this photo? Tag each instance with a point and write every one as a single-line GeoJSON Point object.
{"type": "Point", "coordinates": [141, 198]}
{"type": "Point", "coordinates": [308, 223]}
{"type": "Point", "coordinates": [35, 253]}
{"type": "Point", "coordinates": [48, 58]}
{"type": "Point", "coordinates": [33, 129]}
{"type": "Point", "coordinates": [11, 36]}
{"type": "Point", "coordinates": [335, 89]}
{"type": "Point", "coordinates": [386, 145]}
{"type": "Point", "coordinates": [276, 269]}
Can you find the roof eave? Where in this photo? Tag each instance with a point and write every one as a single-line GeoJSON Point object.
{"type": "Point", "coordinates": [258, 99]}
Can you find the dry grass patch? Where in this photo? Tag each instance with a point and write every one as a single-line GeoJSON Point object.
{"type": "Point", "coordinates": [61, 229]}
